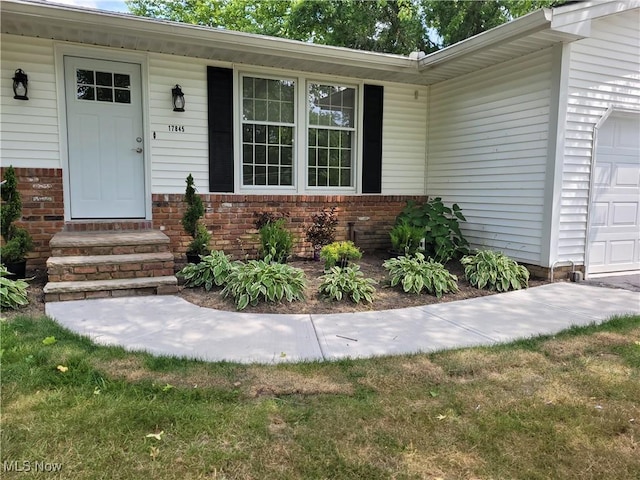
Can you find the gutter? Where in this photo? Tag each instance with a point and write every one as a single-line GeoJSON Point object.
{"type": "Point", "coordinates": [60, 14]}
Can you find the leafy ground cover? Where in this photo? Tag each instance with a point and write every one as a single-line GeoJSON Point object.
{"type": "Point", "coordinates": [566, 406]}
{"type": "Point", "coordinates": [371, 266]}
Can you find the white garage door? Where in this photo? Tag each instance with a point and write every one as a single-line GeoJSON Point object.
{"type": "Point", "coordinates": [614, 235]}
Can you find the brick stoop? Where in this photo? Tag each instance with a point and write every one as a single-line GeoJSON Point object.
{"type": "Point", "coordinates": [98, 264]}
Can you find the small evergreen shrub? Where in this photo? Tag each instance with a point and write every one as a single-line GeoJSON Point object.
{"type": "Point", "coordinates": [417, 274]}
{"type": "Point", "coordinates": [13, 293]}
{"type": "Point", "coordinates": [494, 271]}
{"type": "Point", "coordinates": [212, 271]}
{"type": "Point", "coordinates": [264, 280]}
{"type": "Point", "coordinates": [191, 220]}
{"type": "Point", "coordinates": [276, 241]}
{"type": "Point", "coordinates": [339, 282]}
{"type": "Point", "coordinates": [17, 240]}
{"type": "Point", "coordinates": [339, 253]}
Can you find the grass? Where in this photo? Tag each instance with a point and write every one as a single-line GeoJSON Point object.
{"type": "Point", "coordinates": [566, 406]}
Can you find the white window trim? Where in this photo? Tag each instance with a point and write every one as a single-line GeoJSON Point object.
{"type": "Point", "coordinates": [356, 129]}
{"type": "Point", "coordinates": [300, 142]}
{"type": "Point", "coordinates": [265, 189]}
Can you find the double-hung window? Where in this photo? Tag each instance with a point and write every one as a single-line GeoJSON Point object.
{"type": "Point", "coordinates": [268, 129]}
{"type": "Point", "coordinates": [331, 133]}
{"type": "Point", "coordinates": [270, 158]}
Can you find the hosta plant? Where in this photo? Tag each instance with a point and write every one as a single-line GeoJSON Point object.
{"type": "Point", "coordinates": [13, 293]}
{"type": "Point", "coordinates": [264, 280]}
{"type": "Point", "coordinates": [494, 271]}
{"type": "Point", "coordinates": [340, 282]}
{"type": "Point", "coordinates": [212, 271]}
{"type": "Point", "coordinates": [416, 274]}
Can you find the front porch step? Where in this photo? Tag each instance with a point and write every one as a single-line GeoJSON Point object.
{"type": "Point", "coordinates": [126, 287]}
{"type": "Point", "coordinates": [109, 264]}
{"type": "Point", "coordinates": [65, 244]}
{"type": "Point", "coordinates": [107, 267]}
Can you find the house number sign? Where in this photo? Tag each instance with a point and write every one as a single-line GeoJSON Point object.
{"type": "Point", "coordinates": [176, 128]}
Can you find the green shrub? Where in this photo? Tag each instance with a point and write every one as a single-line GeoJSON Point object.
{"type": "Point", "coordinates": [495, 271]}
{"type": "Point", "coordinates": [406, 238]}
{"type": "Point", "coordinates": [339, 253]}
{"type": "Point", "coordinates": [276, 240]}
{"type": "Point", "coordinates": [212, 270]}
{"type": "Point", "coordinates": [349, 281]}
{"type": "Point", "coordinates": [417, 274]}
{"type": "Point", "coordinates": [191, 220]}
{"type": "Point", "coordinates": [257, 280]}
{"type": "Point", "coordinates": [17, 241]}
{"type": "Point", "coordinates": [442, 234]}
{"type": "Point", "coordinates": [13, 293]}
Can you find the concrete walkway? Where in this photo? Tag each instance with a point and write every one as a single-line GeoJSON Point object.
{"type": "Point", "coordinates": [168, 325]}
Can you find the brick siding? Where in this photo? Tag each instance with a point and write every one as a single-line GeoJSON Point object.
{"type": "Point", "coordinates": [230, 219]}
{"type": "Point", "coordinates": [42, 209]}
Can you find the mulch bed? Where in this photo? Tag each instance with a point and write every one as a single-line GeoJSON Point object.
{"type": "Point", "coordinates": [386, 298]}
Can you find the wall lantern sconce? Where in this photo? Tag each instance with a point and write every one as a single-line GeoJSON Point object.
{"type": "Point", "coordinates": [178, 99]}
{"type": "Point", "coordinates": [20, 81]}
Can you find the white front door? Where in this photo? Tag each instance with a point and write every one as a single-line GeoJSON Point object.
{"type": "Point", "coordinates": [105, 139]}
{"type": "Point", "coordinates": [614, 234]}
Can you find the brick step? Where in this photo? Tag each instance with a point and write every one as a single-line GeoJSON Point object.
{"type": "Point", "coordinates": [106, 267]}
{"type": "Point", "coordinates": [106, 225]}
{"type": "Point", "coordinates": [108, 243]}
{"type": "Point", "coordinates": [62, 291]}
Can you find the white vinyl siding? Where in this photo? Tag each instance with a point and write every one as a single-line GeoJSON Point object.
{"type": "Point", "coordinates": [404, 140]}
{"type": "Point", "coordinates": [176, 153]}
{"type": "Point", "coordinates": [30, 135]}
{"type": "Point", "coordinates": [488, 145]}
{"type": "Point", "coordinates": [604, 72]}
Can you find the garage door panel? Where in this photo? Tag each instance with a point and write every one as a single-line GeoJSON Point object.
{"type": "Point", "coordinates": [622, 252]}
{"type": "Point", "coordinates": [614, 228]}
{"type": "Point", "coordinates": [624, 214]}
{"type": "Point", "coordinates": [602, 175]}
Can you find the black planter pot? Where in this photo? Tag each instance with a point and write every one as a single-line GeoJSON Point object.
{"type": "Point", "coordinates": [193, 258]}
{"type": "Point", "coordinates": [19, 269]}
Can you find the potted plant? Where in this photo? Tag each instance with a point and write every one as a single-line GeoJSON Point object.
{"type": "Point", "coordinates": [191, 223]}
{"type": "Point", "coordinates": [16, 240]}
{"type": "Point", "coordinates": [322, 231]}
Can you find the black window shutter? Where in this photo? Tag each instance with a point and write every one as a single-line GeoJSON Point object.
{"type": "Point", "coordinates": [220, 106]}
{"type": "Point", "coordinates": [372, 139]}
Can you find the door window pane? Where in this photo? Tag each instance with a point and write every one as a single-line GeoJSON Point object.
{"type": "Point", "coordinates": [106, 87]}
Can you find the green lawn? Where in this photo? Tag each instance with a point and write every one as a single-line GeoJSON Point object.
{"type": "Point", "coordinates": [557, 407]}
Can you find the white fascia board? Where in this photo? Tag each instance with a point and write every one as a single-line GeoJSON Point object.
{"type": "Point", "coordinates": [520, 27]}
{"type": "Point", "coordinates": [196, 34]}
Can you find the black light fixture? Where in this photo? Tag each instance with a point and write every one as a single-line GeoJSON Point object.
{"type": "Point", "coordinates": [20, 81]}
{"type": "Point", "coordinates": [178, 99]}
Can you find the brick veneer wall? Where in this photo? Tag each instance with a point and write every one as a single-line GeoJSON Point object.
{"type": "Point", "coordinates": [230, 219]}
{"type": "Point", "coordinates": [42, 209]}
